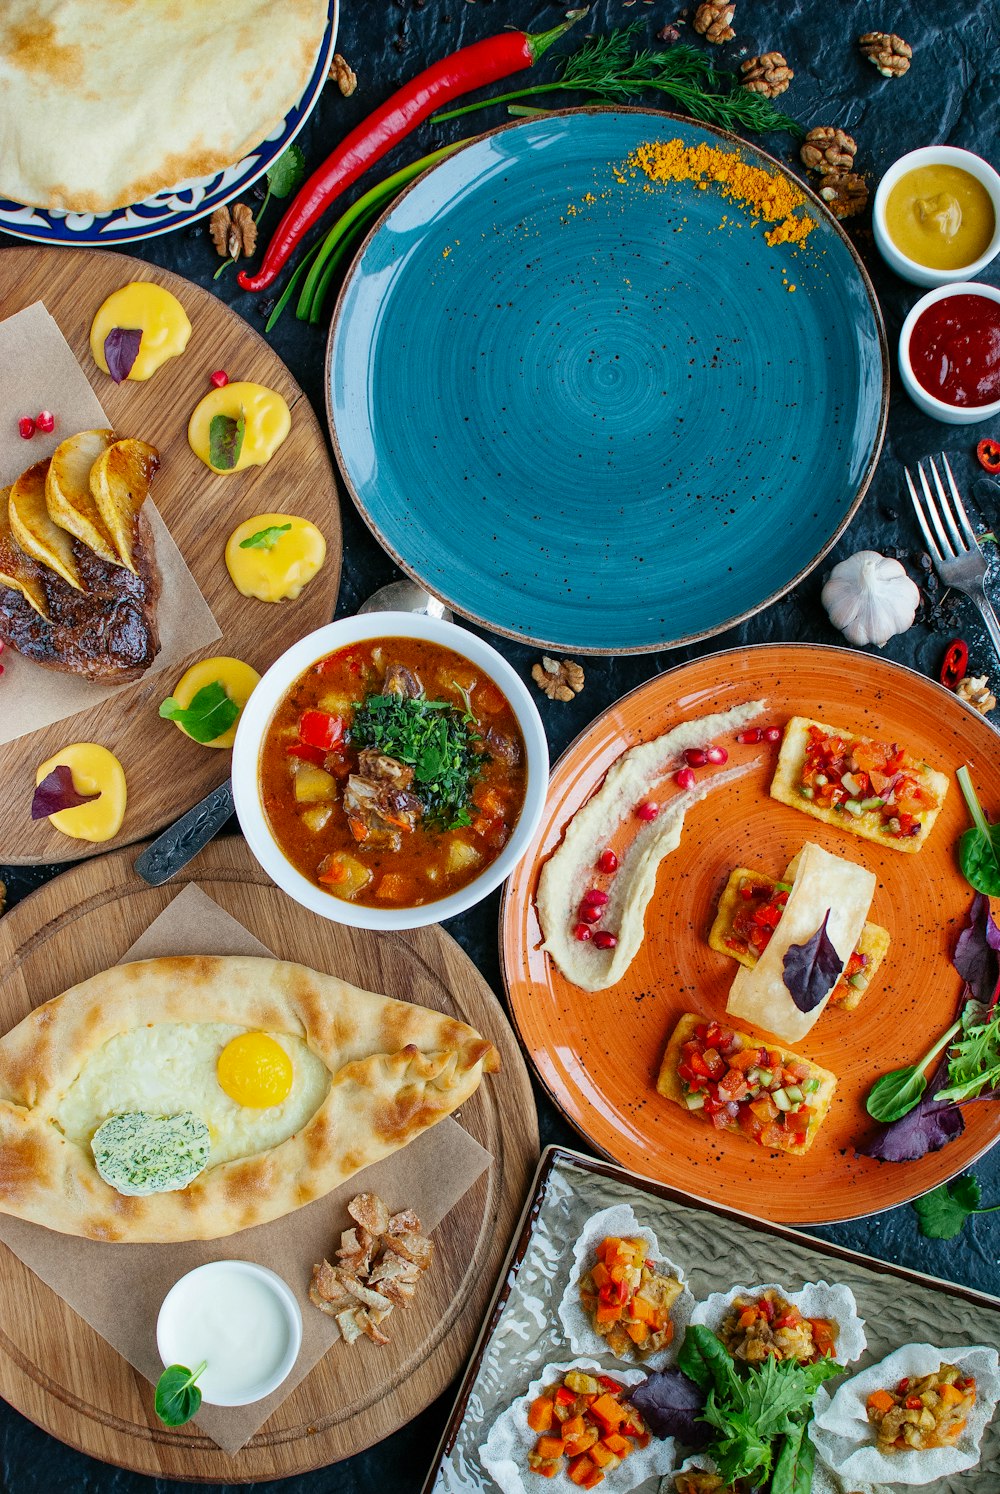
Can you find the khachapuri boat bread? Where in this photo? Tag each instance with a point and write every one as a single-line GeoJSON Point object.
{"type": "Point", "coordinates": [871, 788]}
{"type": "Point", "coordinates": [789, 987]}
{"type": "Point", "coordinates": [764, 1092]}
{"type": "Point", "coordinates": [103, 105]}
{"type": "Point", "coordinates": [602, 961]}
{"type": "Point", "coordinates": [187, 1098]}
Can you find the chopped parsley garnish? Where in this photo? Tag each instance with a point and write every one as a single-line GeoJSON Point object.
{"type": "Point", "coordinates": [433, 737]}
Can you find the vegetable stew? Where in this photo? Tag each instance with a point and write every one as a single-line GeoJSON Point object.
{"type": "Point", "coordinates": [393, 772]}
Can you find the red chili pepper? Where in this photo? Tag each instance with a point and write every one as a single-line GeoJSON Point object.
{"type": "Point", "coordinates": [473, 67]}
{"type": "Point", "coordinates": [956, 662]}
{"type": "Point", "coordinates": [988, 453]}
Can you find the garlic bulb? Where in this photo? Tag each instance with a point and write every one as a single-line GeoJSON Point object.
{"type": "Point", "coordinates": [870, 598]}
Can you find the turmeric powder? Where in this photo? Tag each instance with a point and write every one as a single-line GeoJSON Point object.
{"type": "Point", "coordinates": [768, 195]}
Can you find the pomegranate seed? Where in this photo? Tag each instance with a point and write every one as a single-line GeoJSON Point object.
{"type": "Point", "coordinates": [581, 932]}
{"type": "Point", "coordinates": [695, 757]}
{"type": "Point", "coordinates": [220, 378]}
{"type": "Point", "coordinates": [45, 421]}
{"type": "Point", "coordinates": [26, 427]}
{"type": "Point", "coordinates": [595, 897]}
{"type": "Point", "coordinates": [685, 778]}
{"type": "Point", "coordinates": [717, 755]}
{"type": "Point", "coordinates": [751, 734]}
{"type": "Point", "coordinates": [605, 940]}
{"type": "Point", "coordinates": [607, 861]}
{"type": "Point", "coordinates": [590, 912]}
{"type": "Point", "coordinates": [648, 810]}
{"type": "Point", "coordinates": [772, 734]}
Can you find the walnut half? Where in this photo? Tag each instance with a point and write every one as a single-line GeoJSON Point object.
{"type": "Point", "coordinates": [713, 20]}
{"type": "Point", "coordinates": [828, 150]}
{"type": "Point", "coordinates": [559, 681]}
{"type": "Point", "coordinates": [343, 75]}
{"type": "Point", "coordinates": [886, 51]}
{"type": "Point", "coordinates": [768, 74]}
{"type": "Point", "coordinates": [975, 691]}
{"type": "Point", "coordinates": [233, 231]}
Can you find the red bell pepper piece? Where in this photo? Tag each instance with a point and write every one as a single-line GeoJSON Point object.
{"type": "Point", "coordinates": [320, 729]}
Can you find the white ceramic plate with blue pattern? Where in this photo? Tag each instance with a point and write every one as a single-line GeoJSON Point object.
{"type": "Point", "coordinates": [177, 206]}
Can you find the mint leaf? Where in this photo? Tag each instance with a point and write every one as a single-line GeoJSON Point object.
{"type": "Point", "coordinates": [286, 173]}
{"type": "Point", "coordinates": [177, 1397]}
{"type": "Point", "coordinates": [811, 970]}
{"type": "Point", "coordinates": [55, 792]}
{"type": "Point", "coordinates": [210, 713]}
{"type": "Point", "coordinates": [265, 539]}
{"type": "Point", "coordinates": [225, 440]}
{"type": "Point", "coordinates": [121, 349]}
{"type": "Point", "coordinates": [941, 1214]}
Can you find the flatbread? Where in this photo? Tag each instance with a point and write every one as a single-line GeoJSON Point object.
{"type": "Point", "coordinates": [104, 102]}
{"type": "Point", "coordinates": [395, 1070]}
{"type": "Point", "coordinates": [823, 884]}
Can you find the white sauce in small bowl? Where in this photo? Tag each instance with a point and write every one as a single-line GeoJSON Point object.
{"type": "Point", "coordinates": [241, 1319]}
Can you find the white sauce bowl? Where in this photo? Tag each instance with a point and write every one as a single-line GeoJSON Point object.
{"type": "Point", "coordinates": [242, 1319]}
{"type": "Point", "coordinates": [929, 403]}
{"type": "Point", "coordinates": [935, 155]}
{"type": "Point", "coordinates": [256, 719]}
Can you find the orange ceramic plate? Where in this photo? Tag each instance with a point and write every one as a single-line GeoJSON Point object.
{"type": "Point", "coordinates": [598, 1054]}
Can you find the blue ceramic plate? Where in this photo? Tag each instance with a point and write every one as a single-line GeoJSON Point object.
{"type": "Point", "coordinates": [180, 205]}
{"type": "Point", "coordinates": [598, 413]}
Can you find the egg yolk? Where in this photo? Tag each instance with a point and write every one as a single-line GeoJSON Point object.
{"type": "Point", "coordinates": [254, 1070]}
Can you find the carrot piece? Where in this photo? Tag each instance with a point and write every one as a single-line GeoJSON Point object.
{"type": "Point", "coordinates": [573, 1426]}
{"type": "Point", "coordinates": [601, 1275]}
{"type": "Point", "coordinates": [637, 1332]}
{"type": "Point", "coordinates": [550, 1447]}
{"type": "Point", "coordinates": [616, 1444]}
{"type": "Point", "coordinates": [540, 1414]}
{"type": "Point", "coordinates": [609, 1412]}
{"type": "Point", "coordinates": [880, 1400]}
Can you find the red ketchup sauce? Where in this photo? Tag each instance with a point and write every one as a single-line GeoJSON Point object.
{"type": "Point", "coordinates": [955, 350]}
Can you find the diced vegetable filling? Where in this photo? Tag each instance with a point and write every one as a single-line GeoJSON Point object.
{"type": "Point", "coordinates": [866, 778]}
{"type": "Point", "coordinates": [744, 1086]}
{"type": "Point", "coordinates": [587, 1421]}
{"type": "Point", "coordinates": [922, 1413]}
{"type": "Point", "coordinates": [628, 1299]}
{"type": "Point", "coordinates": [767, 1326]}
{"type": "Point", "coordinates": [762, 903]}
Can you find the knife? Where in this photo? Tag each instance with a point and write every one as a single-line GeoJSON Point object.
{"type": "Point", "coordinates": [181, 841]}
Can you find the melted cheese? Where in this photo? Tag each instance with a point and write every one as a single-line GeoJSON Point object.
{"type": "Point", "coordinates": [268, 421]}
{"type": "Point", "coordinates": [280, 569]}
{"type": "Point", "coordinates": [95, 770]}
{"type": "Point", "coordinates": [235, 677]}
{"type": "Point", "coordinates": [159, 316]}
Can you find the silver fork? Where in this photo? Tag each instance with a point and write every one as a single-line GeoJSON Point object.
{"type": "Point", "coordinates": [952, 543]}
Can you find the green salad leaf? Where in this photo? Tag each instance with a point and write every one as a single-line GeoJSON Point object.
{"type": "Point", "coordinates": [265, 539]}
{"type": "Point", "coordinates": [979, 847]}
{"type": "Point", "coordinates": [177, 1396]}
{"type": "Point", "coordinates": [225, 440]}
{"type": "Point", "coordinates": [433, 737]}
{"type": "Point", "coordinates": [941, 1214]}
{"type": "Point", "coordinates": [210, 713]}
{"type": "Point", "coordinates": [287, 173]}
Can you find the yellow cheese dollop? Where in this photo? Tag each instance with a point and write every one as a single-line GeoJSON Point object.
{"type": "Point", "coordinates": [95, 770]}
{"type": "Point", "coordinates": [281, 563]}
{"type": "Point", "coordinates": [268, 421]}
{"type": "Point", "coordinates": [157, 314]}
{"type": "Point", "coordinates": [235, 677]}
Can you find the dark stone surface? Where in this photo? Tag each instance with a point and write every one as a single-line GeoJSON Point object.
{"type": "Point", "coordinates": [949, 95]}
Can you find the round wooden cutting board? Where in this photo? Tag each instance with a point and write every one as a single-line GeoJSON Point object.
{"type": "Point", "coordinates": [166, 772]}
{"type": "Point", "coordinates": [59, 1372]}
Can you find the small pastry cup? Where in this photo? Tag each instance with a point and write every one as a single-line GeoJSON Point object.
{"type": "Point", "coordinates": [817, 1299]}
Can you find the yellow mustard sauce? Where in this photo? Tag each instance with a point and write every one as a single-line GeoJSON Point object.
{"type": "Point", "coordinates": [940, 216]}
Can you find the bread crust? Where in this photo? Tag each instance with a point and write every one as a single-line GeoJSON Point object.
{"type": "Point", "coordinates": [396, 1069]}
{"type": "Point", "coordinates": [669, 1085]}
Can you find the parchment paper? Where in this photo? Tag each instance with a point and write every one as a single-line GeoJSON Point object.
{"type": "Point", "coordinates": [430, 1175]}
{"type": "Point", "coordinates": [40, 372]}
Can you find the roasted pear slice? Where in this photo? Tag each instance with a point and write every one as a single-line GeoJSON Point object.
{"type": "Point", "coordinates": [119, 482]}
{"type": "Point", "coordinates": [17, 571]}
{"type": "Point", "coordinates": [67, 491]}
{"type": "Point", "coordinates": [34, 531]}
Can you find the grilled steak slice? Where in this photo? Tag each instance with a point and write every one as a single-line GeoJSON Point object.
{"type": "Point", "coordinates": [107, 632]}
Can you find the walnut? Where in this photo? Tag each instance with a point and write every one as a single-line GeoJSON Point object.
{"type": "Point", "coordinates": [712, 20]}
{"type": "Point", "coordinates": [558, 681]}
{"type": "Point", "coordinates": [828, 151]}
{"type": "Point", "coordinates": [768, 74]}
{"type": "Point", "coordinates": [233, 231]}
{"type": "Point", "coordinates": [886, 51]}
{"type": "Point", "coordinates": [343, 75]}
{"type": "Point", "coordinates": [845, 194]}
{"type": "Point", "coordinates": [976, 692]}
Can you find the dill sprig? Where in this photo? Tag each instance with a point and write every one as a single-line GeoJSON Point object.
{"type": "Point", "coordinates": [611, 69]}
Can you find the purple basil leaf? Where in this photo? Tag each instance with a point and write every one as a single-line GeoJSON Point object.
{"type": "Point", "coordinates": [812, 969]}
{"type": "Point", "coordinates": [670, 1405]}
{"type": "Point", "coordinates": [927, 1128]}
{"type": "Point", "coordinates": [977, 953]}
{"type": "Point", "coordinates": [56, 792]}
{"type": "Point", "coordinates": [121, 349]}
